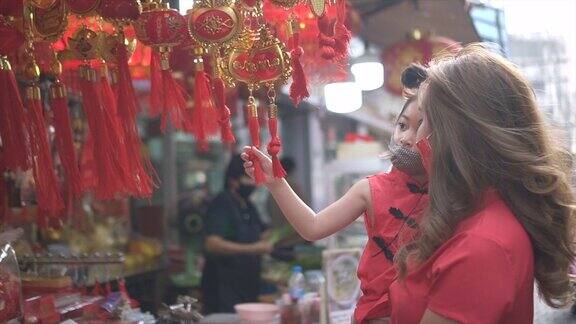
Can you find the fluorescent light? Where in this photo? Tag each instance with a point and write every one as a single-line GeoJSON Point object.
{"type": "Point", "coordinates": [357, 47]}
{"type": "Point", "coordinates": [368, 75]}
{"type": "Point", "coordinates": [343, 97]}
{"type": "Point", "coordinates": [184, 5]}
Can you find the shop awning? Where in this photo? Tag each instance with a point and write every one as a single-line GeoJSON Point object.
{"type": "Point", "coordinates": [386, 22]}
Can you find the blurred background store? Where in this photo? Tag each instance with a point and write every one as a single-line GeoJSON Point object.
{"type": "Point", "coordinates": [333, 138]}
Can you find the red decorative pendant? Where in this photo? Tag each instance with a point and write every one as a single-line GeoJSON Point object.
{"type": "Point", "coordinates": [213, 23]}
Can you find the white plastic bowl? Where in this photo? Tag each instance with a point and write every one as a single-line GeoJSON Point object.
{"type": "Point", "coordinates": [257, 312]}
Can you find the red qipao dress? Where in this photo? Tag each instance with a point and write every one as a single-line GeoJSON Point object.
{"type": "Point", "coordinates": [483, 274]}
{"type": "Point", "coordinates": [398, 201]}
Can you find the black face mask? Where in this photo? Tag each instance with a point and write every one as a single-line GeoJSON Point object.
{"type": "Point", "coordinates": [245, 190]}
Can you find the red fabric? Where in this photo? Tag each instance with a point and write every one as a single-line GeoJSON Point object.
{"type": "Point", "coordinates": [483, 274]}
{"type": "Point", "coordinates": [376, 272]}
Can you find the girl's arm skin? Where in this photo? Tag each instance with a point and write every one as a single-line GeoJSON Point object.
{"type": "Point", "coordinates": [310, 225]}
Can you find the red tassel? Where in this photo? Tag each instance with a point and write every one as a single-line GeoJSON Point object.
{"type": "Point", "coordinates": [156, 88]}
{"type": "Point", "coordinates": [275, 146]}
{"type": "Point", "coordinates": [15, 148]}
{"type": "Point", "coordinates": [47, 190]}
{"type": "Point", "coordinates": [299, 86]}
{"type": "Point", "coordinates": [116, 133]}
{"type": "Point", "coordinates": [224, 121]}
{"type": "Point", "coordinates": [205, 119]}
{"type": "Point", "coordinates": [342, 35]}
{"type": "Point", "coordinates": [64, 139]}
{"type": "Point", "coordinates": [174, 104]}
{"type": "Point", "coordinates": [326, 37]}
{"type": "Point", "coordinates": [109, 171]}
{"type": "Point", "coordinates": [254, 127]}
{"type": "Point", "coordinates": [127, 109]}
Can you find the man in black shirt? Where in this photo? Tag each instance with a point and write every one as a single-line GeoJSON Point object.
{"type": "Point", "coordinates": [234, 243]}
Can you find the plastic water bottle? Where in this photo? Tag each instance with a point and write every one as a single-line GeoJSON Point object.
{"type": "Point", "coordinates": [297, 284]}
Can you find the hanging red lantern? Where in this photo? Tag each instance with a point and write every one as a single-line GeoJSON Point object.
{"type": "Point", "coordinates": [402, 54]}
{"type": "Point", "coordinates": [159, 26]}
{"type": "Point", "coordinates": [162, 28]}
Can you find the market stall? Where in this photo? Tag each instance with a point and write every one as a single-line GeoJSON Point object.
{"type": "Point", "coordinates": [116, 120]}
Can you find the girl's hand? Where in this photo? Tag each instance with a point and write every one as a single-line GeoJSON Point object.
{"type": "Point", "coordinates": [265, 163]}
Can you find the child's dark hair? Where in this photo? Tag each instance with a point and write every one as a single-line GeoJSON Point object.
{"type": "Point", "coordinates": [412, 78]}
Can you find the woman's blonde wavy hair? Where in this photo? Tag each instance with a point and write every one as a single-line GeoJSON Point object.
{"type": "Point", "coordinates": [489, 132]}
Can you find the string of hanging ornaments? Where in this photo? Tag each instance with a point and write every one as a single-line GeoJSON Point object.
{"type": "Point", "coordinates": [83, 47]}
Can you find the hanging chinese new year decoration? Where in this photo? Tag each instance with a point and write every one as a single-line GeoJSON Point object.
{"type": "Point", "coordinates": [260, 61]}
{"type": "Point", "coordinates": [48, 194]}
{"type": "Point", "coordinates": [163, 28]}
{"type": "Point", "coordinates": [117, 50]}
{"type": "Point", "coordinates": [85, 47]}
{"type": "Point", "coordinates": [417, 49]}
{"type": "Point", "coordinates": [213, 26]}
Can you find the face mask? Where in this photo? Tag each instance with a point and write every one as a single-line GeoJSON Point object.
{"type": "Point", "coordinates": [406, 160]}
{"type": "Point", "coordinates": [425, 149]}
{"type": "Point", "coordinates": [245, 190]}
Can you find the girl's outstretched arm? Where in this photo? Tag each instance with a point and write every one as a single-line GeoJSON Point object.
{"type": "Point", "coordinates": [310, 225]}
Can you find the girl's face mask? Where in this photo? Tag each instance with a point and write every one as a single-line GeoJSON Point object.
{"type": "Point", "coordinates": [425, 149]}
{"type": "Point", "coordinates": [406, 160]}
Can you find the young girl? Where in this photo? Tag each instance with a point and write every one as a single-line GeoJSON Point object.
{"type": "Point", "coordinates": [501, 210]}
{"type": "Point", "coordinates": [391, 203]}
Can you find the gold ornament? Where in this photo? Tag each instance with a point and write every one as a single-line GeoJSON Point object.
{"type": "Point", "coordinates": [265, 61]}
{"type": "Point", "coordinates": [49, 24]}
{"type": "Point", "coordinates": [318, 7]}
{"type": "Point", "coordinates": [288, 4]}
{"type": "Point", "coordinates": [83, 45]}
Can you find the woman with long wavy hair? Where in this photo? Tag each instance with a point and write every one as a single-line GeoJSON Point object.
{"type": "Point", "coordinates": [501, 211]}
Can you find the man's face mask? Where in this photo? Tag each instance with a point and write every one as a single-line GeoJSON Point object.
{"type": "Point", "coordinates": [405, 159]}
{"type": "Point", "coordinates": [245, 190]}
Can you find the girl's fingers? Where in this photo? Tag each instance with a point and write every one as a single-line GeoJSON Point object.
{"type": "Point", "coordinates": [245, 156]}
{"type": "Point", "coordinates": [248, 164]}
{"type": "Point", "coordinates": [259, 153]}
